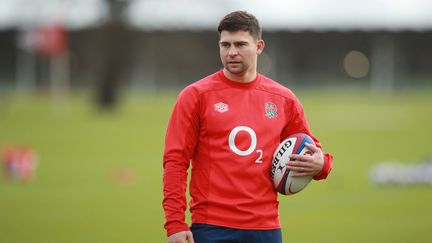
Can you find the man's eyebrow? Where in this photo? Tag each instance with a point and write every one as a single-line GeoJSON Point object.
{"type": "Point", "coordinates": [235, 42]}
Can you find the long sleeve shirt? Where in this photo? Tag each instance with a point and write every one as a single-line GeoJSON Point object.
{"type": "Point", "coordinates": [229, 131]}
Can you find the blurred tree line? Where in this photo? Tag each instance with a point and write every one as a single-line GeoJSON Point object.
{"type": "Point", "coordinates": [114, 56]}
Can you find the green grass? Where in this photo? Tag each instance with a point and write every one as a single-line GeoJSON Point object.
{"type": "Point", "coordinates": [75, 198]}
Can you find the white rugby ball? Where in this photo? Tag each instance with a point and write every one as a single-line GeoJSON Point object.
{"type": "Point", "coordinates": [283, 181]}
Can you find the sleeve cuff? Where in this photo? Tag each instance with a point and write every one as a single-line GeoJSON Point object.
{"type": "Point", "coordinates": [328, 163]}
{"type": "Point", "coordinates": [177, 228]}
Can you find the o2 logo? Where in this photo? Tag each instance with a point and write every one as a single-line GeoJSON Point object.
{"type": "Point", "coordinates": [252, 147]}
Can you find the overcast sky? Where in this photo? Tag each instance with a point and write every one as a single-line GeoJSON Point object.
{"type": "Point", "coordinates": [200, 14]}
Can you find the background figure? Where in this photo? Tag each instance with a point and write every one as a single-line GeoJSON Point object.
{"type": "Point", "coordinates": [19, 163]}
{"type": "Point", "coordinates": [114, 48]}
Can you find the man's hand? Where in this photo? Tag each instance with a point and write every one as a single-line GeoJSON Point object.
{"type": "Point", "coordinates": [181, 237]}
{"type": "Point", "coordinates": [308, 164]}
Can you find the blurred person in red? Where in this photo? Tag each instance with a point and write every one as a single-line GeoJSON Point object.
{"type": "Point", "coordinates": [19, 163]}
{"type": "Point", "coordinates": [228, 125]}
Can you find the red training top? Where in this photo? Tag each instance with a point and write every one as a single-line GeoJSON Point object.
{"type": "Point", "coordinates": [229, 130]}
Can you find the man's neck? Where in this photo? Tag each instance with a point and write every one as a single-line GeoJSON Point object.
{"type": "Point", "coordinates": [242, 77]}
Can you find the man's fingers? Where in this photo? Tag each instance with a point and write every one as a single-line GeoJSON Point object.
{"type": "Point", "coordinates": [298, 157]}
{"type": "Point", "coordinates": [190, 237]}
{"type": "Point", "coordinates": [312, 147]}
{"type": "Point", "coordinates": [181, 237]}
{"type": "Point", "coordinates": [299, 166]}
{"type": "Point", "coordinates": [300, 173]}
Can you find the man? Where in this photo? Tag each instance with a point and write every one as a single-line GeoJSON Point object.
{"type": "Point", "coordinates": [229, 124]}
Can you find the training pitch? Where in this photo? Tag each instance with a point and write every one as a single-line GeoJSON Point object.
{"type": "Point", "coordinates": [99, 174]}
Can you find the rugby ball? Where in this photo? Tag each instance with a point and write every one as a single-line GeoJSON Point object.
{"type": "Point", "coordinates": [283, 181]}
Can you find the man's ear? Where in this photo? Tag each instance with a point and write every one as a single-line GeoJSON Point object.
{"type": "Point", "coordinates": [260, 46]}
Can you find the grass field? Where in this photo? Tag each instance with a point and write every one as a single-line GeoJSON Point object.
{"type": "Point", "coordinates": [99, 175]}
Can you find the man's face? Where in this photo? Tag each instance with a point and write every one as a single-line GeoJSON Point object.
{"type": "Point", "coordinates": [238, 51]}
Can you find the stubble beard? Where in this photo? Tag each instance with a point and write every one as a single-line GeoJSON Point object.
{"type": "Point", "coordinates": [238, 69]}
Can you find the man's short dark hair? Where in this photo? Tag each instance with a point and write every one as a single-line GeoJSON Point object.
{"type": "Point", "coordinates": [241, 20]}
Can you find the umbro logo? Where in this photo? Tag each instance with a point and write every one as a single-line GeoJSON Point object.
{"type": "Point", "coordinates": [221, 107]}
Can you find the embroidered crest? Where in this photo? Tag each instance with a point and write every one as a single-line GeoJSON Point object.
{"type": "Point", "coordinates": [270, 110]}
{"type": "Point", "coordinates": [221, 107]}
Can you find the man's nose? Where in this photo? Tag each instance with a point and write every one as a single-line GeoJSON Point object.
{"type": "Point", "coordinates": [233, 51]}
